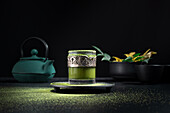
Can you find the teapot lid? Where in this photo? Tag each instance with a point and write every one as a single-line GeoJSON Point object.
{"type": "Point", "coordinates": [34, 56]}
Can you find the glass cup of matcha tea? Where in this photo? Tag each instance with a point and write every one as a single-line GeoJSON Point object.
{"type": "Point", "coordinates": [81, 66]}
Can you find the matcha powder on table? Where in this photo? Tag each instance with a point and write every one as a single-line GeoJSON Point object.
{"type": "Point", "coordinates": [25, 99]}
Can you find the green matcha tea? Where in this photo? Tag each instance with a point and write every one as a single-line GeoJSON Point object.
{"type": "Point", "coordinates": [81, 66]}
{"type": "Point", "coordinates": [82, 73]}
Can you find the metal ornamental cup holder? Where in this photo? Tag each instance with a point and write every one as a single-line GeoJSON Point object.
{"type": "Point", "coordinates": [82, 66]}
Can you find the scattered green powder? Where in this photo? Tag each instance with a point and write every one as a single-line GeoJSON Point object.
{"type": "Point", "coordinates": [35, 99]}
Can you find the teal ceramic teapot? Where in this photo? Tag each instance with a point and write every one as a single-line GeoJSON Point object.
{"type": "Point", "coordinates": [34, 68]}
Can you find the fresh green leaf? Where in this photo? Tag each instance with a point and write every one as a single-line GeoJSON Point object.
{"type": "Point", "coordinates": [97, 49]}
{"type": "Point", "coordinates": [137, 54]}
{"type": "Point", "coordinates": [100, 55]}
{"type": "Point", "coordinates": [146, 60]}
{"type": "Point", "coordinates": [138, 58]}
{"type": "Point", "coordinates": [128, 59]}
{"type": "Point", "coordinates": [106, 57]}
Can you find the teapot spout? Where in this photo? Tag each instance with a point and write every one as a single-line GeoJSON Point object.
{"type": "Point", "coordinates": [47, 64]}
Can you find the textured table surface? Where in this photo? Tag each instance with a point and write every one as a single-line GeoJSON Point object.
{"type": "Point", "coordinates": [125, 97]}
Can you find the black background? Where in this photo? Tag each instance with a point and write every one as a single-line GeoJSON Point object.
{"type": "Point", "coordinates": [116, 26]}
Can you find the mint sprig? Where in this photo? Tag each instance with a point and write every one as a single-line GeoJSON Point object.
{"type": "Point", "coordinates": [105, 56]}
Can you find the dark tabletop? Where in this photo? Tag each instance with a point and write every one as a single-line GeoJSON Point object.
{"type": "Point", "coordinates": [125, 97]}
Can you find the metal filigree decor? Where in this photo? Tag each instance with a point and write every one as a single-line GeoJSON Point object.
{"type": "Point", "coordinates": [81, 61]}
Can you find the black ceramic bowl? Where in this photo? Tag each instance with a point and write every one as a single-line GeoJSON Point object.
{"type": "Point", "coordinates": [149, 73]}
{"type": "Point", "coordinates": [166, 74]}
{"type": "Point", "coordinates": [123, 70]}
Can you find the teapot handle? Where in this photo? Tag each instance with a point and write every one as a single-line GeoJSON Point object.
{"type": "Point", "coordinates": [45, 44]}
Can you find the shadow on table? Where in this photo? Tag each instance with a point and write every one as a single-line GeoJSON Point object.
{"type": "Point", "coordinates": [143, 83]}
{"type": "Point", "coordinates": [80, 91]}
{"type": "Point", "coordinates": [137, 83]}
{"type": "Point", "coordinates": [8, 81]}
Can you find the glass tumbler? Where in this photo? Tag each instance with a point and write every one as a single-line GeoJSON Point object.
{"type": "Point", "coordinates": [81, 66]}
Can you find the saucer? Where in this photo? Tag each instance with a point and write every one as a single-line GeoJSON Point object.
{"type": "Point", "coordinates": [58, 85]}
